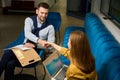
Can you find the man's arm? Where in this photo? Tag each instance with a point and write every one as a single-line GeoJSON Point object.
{"type": "Point", "coordinates": [51, 34]}
{"type": "Point", "coordinates": [28, 30]}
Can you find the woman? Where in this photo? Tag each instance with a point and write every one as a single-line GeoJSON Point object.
{"type": "Point", "coordinates": [82, 66]}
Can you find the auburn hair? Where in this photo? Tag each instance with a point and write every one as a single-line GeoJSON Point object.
{"type": "Point", "coordinates": [80, 52]}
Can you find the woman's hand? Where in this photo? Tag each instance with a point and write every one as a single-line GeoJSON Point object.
{"type": "Point", "coordinates": [50, 44]}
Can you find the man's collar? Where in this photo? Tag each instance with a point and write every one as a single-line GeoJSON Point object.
{"type": "Point", "coordinates": [40, 21]}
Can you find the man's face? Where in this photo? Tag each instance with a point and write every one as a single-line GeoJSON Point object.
{"type": "Point", "coordinates": [42, 13]}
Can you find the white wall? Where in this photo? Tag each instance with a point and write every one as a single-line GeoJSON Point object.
{"type": "Point", "coordinates": [109, 24]}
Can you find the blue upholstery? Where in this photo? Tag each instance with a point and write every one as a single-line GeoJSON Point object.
{"type": "Point", "coordinates": [117, 76]}
{"type": "Point", "coordinates": [55, 19]}
{"type": "Point", "coordinates": [108, 55]}
{"type": "Point", "coordinates": [113, 70]}
{"type": "Point", "coordinates": [18, 41]}
{"type": "Point", "coordinates": [104, 47]}
{"type": "Point", "coordinates": [102, 41]}
{"type": "Point", "coordinates": [67, 33]}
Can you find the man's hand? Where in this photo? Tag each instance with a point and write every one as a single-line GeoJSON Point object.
{"type": "Point", "coordinates": [43, 43]}
{"type": "Point", "coordinates": [29, 45]}
{"type": "Point", "coordinates": [47, 44]}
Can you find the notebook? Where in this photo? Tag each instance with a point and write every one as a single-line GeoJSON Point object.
{"type": "Point", "coordinates": [25, 55]}
{"type": "Point", "coordinates": [55, 69]}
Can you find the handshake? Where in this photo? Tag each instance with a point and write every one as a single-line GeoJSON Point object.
{"type": "Point", "coordinates": [47, 44]}
{"type": "Point", "coordinates": [43, 43]}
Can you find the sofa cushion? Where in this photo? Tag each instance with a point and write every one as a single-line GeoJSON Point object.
{"type": "Point", "coordinates": [112, 70]}
{"type": "Point", "coordinates": [68, 30]}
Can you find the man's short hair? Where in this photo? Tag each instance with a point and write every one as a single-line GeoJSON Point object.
{"type": "Point", "coordinates": [44, 5]}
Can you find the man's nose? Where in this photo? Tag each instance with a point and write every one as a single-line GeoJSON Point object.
{"type": "Point", "coordinates": [44, 15]}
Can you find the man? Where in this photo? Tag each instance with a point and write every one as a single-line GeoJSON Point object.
{"type": "Point", "coordinates": [35, 37]}
{"type": "Point", "coordinates": [46, 33]}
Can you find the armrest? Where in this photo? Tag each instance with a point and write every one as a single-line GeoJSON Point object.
{"type": "Point", "coordinates": [18, 41]}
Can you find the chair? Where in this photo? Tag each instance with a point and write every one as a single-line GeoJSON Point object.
{"type": "Point", "coordinates": [55, 19]}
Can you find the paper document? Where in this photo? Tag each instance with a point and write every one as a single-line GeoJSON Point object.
{"type": "Point", "coordinates": [21, 46]}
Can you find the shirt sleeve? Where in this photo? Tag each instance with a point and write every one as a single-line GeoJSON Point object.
{"type": "Point", "coordinates": [51, 34]}
{"type": "Point", "coordinates": [28, 30]}
{"type": "Point", "coordinates": [65, 52]}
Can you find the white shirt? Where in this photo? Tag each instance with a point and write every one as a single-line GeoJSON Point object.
{"type": "Point", "coordinates": [47, 33]}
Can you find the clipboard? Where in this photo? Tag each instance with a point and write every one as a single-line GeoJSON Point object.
{"type": "Point", "coordinates": [26, 57]}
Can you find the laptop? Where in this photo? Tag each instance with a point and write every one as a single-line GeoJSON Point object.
{"type": "Point", "coordinates": [55, 69]}
{"type": "Point", "coordinates": [25, 55]}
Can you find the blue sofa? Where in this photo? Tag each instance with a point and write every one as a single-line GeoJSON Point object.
{"type": "Point", "coordinates": [104, 47]}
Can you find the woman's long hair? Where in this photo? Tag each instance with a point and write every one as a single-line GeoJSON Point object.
{"type": "Point", "coordinates": [80, 52]}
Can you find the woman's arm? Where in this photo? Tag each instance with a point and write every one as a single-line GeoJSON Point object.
{"type": "Point", "coordinates": [62, 50]}
{"type": "Point", "coordinates": [57, 47]}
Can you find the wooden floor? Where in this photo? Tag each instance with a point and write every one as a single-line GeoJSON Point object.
{"type": "Point", "coordinates": [12, 24]}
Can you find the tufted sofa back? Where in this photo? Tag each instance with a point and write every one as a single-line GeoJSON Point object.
{"type": "Point", "coordinates": [104, 47]}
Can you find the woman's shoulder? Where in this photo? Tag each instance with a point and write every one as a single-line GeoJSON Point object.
{"type": "Point", "coordinates": [76, 69]}
{"type": "Point", "coordinates": [76, 72]}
